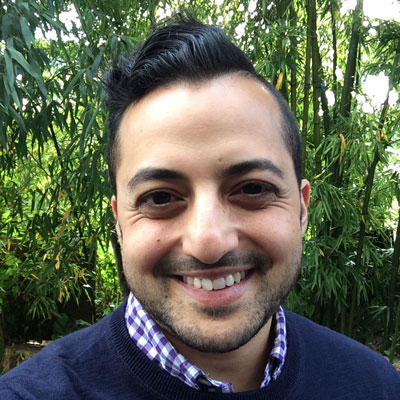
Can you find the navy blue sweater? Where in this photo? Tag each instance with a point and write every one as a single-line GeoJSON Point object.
{"type": "Point", "coordinates": [102, 362]}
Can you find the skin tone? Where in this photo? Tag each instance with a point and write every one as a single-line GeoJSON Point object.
{"type": "Point", "coordinates": [206, 189]}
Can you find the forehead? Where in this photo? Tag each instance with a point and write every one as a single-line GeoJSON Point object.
{"type": "Point", "coordinates": [228, 92]}
{"type": "Point", "coordinates": [228, 118]}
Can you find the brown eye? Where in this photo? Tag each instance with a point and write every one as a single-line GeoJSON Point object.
{"type": "Point", "coordinates": [160, 198]}
{"type": "Point", "coordinates": [157, 198]}
{"type": "Point", "coordinates": [256, 188]}
{"type": "Point", "coordinates": [160, 204]}
{"type": "Point", "coordinates": [254, 195]}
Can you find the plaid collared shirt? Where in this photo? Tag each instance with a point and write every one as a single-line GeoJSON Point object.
{"type": "Point", "coordinates": [153, 343]}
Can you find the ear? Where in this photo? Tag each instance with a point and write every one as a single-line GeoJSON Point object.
{"type": "Point", "coordinates": [305, 198]}
{"type": "Point", "coordinates": [114, 206]}
{"type": "Point", "coordinates": [115, 212]}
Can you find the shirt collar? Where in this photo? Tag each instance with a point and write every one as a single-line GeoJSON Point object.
{"type": "Point", "coordinates": [153, 343]}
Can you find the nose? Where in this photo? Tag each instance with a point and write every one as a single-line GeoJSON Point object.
{"type": "Point", "coordinates": [210, 231]}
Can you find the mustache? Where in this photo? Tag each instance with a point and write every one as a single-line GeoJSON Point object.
{"type": "Point", "coordinates": [231, 259]}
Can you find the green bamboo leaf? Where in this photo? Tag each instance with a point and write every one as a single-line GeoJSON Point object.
{"type": "Point", "coordinates": [114, 42]}
{"type": "Point", "coordinates": [3, 135]}
{"type": "Point", "coordinates": [95, 65]}
{"type": "Point", "coordinates": [73, 83]}
{"type": "Point", "coordinates": [26, 32]}
{"type": "Point", "coordinates": [88, 124]}
{"type": "Point", "coordinates": [5, 96]}
{"type": "Point", "coordinates": [59, 27]}
{"type": "Point", "coordinates": [19, 58]}
{"type": "Point", "coordinates": [18, 118]}
{"type": "Point", "coordinates": [9, 70]}
{"type": "Point", "coordinates": [10, 89]}
{"type": "Point", "coordinates": [22, 5]}
{"type": "Point", "coordinates": [5, 22]}
{"type": "Point", "coordinates": [30, 69]}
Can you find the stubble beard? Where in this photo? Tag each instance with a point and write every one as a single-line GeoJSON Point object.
{"type": "Point", "coordinates": [257, 312]}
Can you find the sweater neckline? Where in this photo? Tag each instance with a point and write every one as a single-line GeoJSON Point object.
{"type": "Point", "coordinates": [155, 345]}
{"type": "Point", "coordinates": [163, 386]}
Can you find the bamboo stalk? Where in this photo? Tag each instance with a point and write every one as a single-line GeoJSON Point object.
{"type": "Point", "coordinates": [395, 261]}
{"type": "Point", "coordinates": [312, 24]}
{"type": "Point", "coordinates": [306, 100]}
{"type": "Point", "coordinates": [324, 100]}
{"type": "Point", "coordinates": [334, 58]}
{"type": "Point", "coordinates": [361, 238]}
{"type": "Point", "coordinates": [393, 283]}
{"type": "Point", "coordinates": [293, 45]}
{"type": "Point", "coordinates": [364, 216]}
{"type": "Point", "coordinates": [348, 81]}
{"type": "Point", "coordinates": [396, 334]}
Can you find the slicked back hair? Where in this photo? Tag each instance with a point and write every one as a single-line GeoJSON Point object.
{"type": "Point", "coordinates": [185, 51]}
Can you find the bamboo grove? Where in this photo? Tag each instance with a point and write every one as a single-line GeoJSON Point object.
{"type": "Point", "coordinates": [57, 270]}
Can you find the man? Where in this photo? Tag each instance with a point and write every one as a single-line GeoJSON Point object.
{"type": "Point", "coordinates": [210, 204]}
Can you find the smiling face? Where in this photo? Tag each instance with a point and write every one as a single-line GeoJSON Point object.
{"type": "Point", "coordinates": [209, 209]}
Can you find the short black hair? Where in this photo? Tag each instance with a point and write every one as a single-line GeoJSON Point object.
{"type": "Point", "coordinates": [183, 51]}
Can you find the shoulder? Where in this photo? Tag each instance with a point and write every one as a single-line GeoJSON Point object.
{"type": "Point", "coordinates": [330, 356]}
{"type": "Point", "coordinates": [326, 339]}
{"type": "Point", "coordinates": [60, 370]}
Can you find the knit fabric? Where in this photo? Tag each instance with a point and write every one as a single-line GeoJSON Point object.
{"type": "Point", "coordinates": [102, 362]}
{"type": "Point", "coordinates": [153, 343]}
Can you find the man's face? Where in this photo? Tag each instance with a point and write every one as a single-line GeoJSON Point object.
{"type": "Point", "coordinates": [208, 199]}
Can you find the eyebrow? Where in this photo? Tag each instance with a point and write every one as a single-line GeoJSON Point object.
{"type": "Point", "coordinates": [149, 174]}
{"type": "Point", "coordinates": [250, 165]}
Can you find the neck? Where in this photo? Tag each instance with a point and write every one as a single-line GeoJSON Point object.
{"type": "Point", "coordinates": [244, 367]}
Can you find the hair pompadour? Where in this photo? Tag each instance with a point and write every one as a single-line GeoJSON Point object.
{"type": "Point", "coordinates": [184, 51]}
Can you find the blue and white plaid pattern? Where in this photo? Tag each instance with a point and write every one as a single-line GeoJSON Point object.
{"type": "Point", "coordinates": [153, 343]}
{"type": "Point", "coordinates": [278, 352]}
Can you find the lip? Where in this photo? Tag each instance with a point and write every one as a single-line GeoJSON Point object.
{"type": "Point", "coordinates": [221, 297]}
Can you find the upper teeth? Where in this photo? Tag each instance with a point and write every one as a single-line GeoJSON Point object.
{"type": "Point", "coordinates": [219, 283]}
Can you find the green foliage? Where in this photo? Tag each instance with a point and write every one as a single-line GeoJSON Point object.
{"type": "Point", "coordinates": [55, 220]}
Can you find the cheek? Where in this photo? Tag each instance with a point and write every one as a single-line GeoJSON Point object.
{"type": "Point", "coordinates": [277, 234]}
{"type": "Point", "coordinates": [144, 244]}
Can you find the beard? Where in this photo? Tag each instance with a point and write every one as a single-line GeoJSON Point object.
{"type": "Point", "coordinates": [168, 311]}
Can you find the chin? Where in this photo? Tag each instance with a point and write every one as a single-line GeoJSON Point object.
{"type": "Point", "coordinates": [216, 330]}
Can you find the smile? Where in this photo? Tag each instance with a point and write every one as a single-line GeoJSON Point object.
{"type": "Point", "coordinates": [216, 284]}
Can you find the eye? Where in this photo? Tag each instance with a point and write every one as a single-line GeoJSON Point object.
{"type": "Point", "coordinates": [157, 198]}
{"type": "Point", "coordinates": [254, 195]}
{"type": "Point", "coordinates": [159, 204]}
{"type": "Point", "coordinates": [255, 188]}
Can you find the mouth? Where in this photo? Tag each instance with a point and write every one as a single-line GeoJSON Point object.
{"type": "Point", "coordinates": [215, 284]}
{"type": "Point", "coordinates": [217, 287]}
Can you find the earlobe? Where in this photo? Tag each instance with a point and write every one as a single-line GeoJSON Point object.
{"type": "Point", "coordinates": [305, 198]}
{"type": "Point", "coordinates": [118, 230]}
